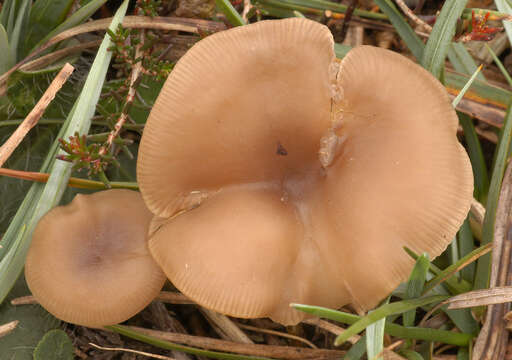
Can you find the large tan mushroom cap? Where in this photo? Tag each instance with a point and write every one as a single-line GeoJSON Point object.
{"type": "Point", "coordinates": [279, 175]}
{"type": "Point", "coordinates": [89, 264]}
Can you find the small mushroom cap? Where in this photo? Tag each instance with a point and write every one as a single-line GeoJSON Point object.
{"type": "Point", "coordinates": [88, 262]}
{"type": "Point", "coordinates": [281, 175]}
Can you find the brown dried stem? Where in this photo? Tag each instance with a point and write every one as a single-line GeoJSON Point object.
{"type": "Point", "coordinates": [493, 338]}
{"type": "Point", "coordinates": [411, 15]}
{"type": "Point", "coordinates": [33, 117]}
{"type": "Point", "coordinates": [272, 351]}
{"type": "Point", "coordinates": [135, 74]}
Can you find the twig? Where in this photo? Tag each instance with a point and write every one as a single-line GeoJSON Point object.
{"type": "Point", "coordinates": [194, 26]}
{"type": "Point", "coordinates": [7, 328]}
{"type": "Point", "coordinates": [136, 72]}
{"type": "Point", "coordinates": [227, 329]}
{"type": "Point", "coordinates": [164, 321]}
{"type": "Point", "coordinates": [31, 120]}
{"type": "Point", "coordinates": [272, 351]}
{"type": "Point", "coordinates": [24, 300]}
{"type": "Point", "coordinates": [411, 15]}
{"type": "Point", "coordinates": [332, 328]}
{"type": "Point", "coordinates": [247, 7]}
{"type": "Point", "coordinates": [492, 340]}
{"type": "Point", "coordinates": [171, 297]}
{"type": "Point", "coordinates": [279, 333]}
{"type": "Point", "coordinates": [154, 356]}
{"type": "Point", "coordinates": [346, 20]}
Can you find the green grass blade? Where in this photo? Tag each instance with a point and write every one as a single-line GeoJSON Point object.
{"type": "Point", "coordinates": [7, 58]}
{"type": "Point", "coordinates": [441, 36]}
{"type": "Point", "coordinates": [232, 15]}
{"type": "Point", "coordinates": [455, 287]}
{"type": "Point", "coordinates": [500, 65]}
{"type": "Point", "coordinates": [403, 28]}
{"type": "Point", "coordinates": [385, 310]}
{"type": "Point", "coordinates": [357, 350]}
{"type": "Point", "coordinates": [410, 355]}
{"type": "Point", "coordinates": [476, 156]}
{"type": "Point", "coordinates": [123, 330]}
{"type": "Point", "coordinates": [45, 16]}
{"type": "Point", "coordinates": [454, 268]}
{"type": "Point", "coordinates": [459, 97]}
{"type": "Point", "coordinates": [306, 6]}
{"type": "Point", "coordinates": [505, 8]}
{"type": "Point", "coordinates": [4, 13]}
{"type": "Point", "coordinates": [375, 337]}
{"type": "Point", "coordinates": [466, 246]}
{"type": "Point", "coordinates": [500, 162]}
{"type": "Point", "coordinates": [415, 286]}
{"type": "Point", "coordinates": [16, 37]}
{"type": "Point", "coordinates": [462, 60]}
{"type": "Point", "coordinates": [42, 198]}
{"type": "Point", "coordinates": [77, 18]}
{"type": "Point", "coordinates": [417, 333]}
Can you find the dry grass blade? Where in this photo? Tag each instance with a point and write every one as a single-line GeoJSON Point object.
{"type": "Point", "coordinates": [24, 300]}
{"type": "Point", "coordinates": [154, 356]}
{"type": "Point", "coordinates": [498, 295]}
{"type": "Point", "coordinates": [330, 327]}
{"type": "Point", "coordinates": [35, 114]}
{"type": "Point", "coordinates": [272, 351]}
{"type": "Point", "coordinates": [51, 58]}
{"type": "Point", "coordinates": [493, 338]}
{"type": "Point", "coordinates": [194, 26]}
{"type": "Point", "coordinates": [7, 328]}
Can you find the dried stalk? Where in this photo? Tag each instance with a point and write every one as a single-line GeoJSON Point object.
{"type": "Point", "coordinates": [272, 351]}
{"type": "Point", "coordinates": [143, 353]}
{"type": "Point", "coordinates": [493, 338]}
{"type": "Point", "coordinates": [226, 328]}
{"type": "Point", "coordinates": [135, 74]}
{"type": "Point", "coordinates": [7, 328]}
{"type": "Point", "coordinates": [33, 117]}
{"type": "Point", "coordinates": [411, 15]}
{"type": "Point", "coordinates": [171, 297]}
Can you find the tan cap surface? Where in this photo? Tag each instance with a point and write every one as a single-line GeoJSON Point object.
{"type": "Point", "coordinates": [303, 178]}
{"type": "Point", "coordinates": [89, 264]}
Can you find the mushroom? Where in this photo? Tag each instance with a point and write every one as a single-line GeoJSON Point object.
{"type": "Point", "coordinates": [278, 174]}
{"type": "Point", "coordinates": [88, 262]}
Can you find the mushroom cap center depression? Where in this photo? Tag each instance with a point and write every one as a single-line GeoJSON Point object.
{"type": "Point", "coordinates": [312, 176]}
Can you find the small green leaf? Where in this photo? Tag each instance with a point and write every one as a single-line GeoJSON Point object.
{"type": "Point", "coordinates": [54, 345]}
